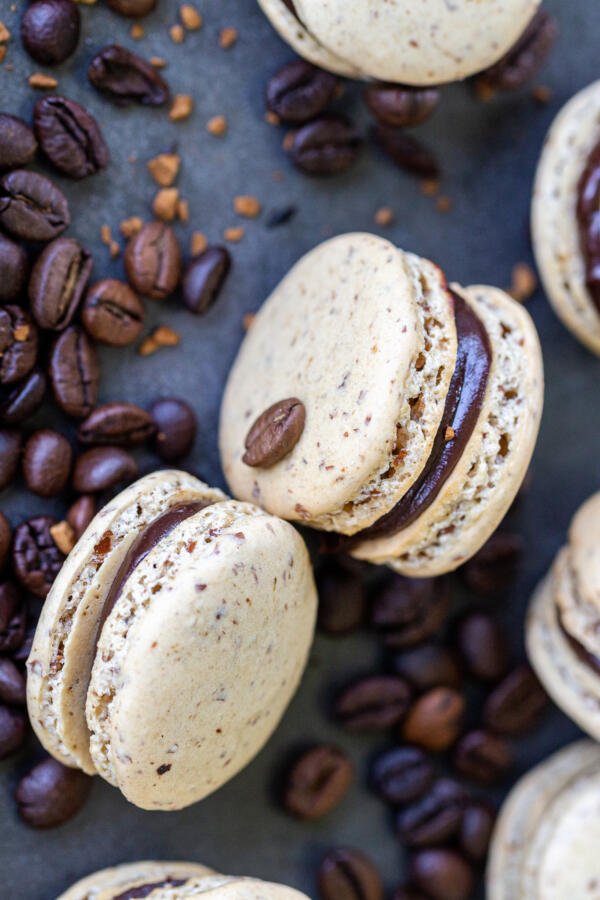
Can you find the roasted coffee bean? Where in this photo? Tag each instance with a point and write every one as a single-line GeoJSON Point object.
{"type": "Point", "coordinates": [516, 704]}
{"type": "Point", "coordinates": [23, 400]}
{"type": "Point", "coordinates": [299, 91]}
{"type": "Point", "coordinates": [47, 459]}
{"type": "Point", "coordinates": [13, 617]}
{"type": "Point", "coordinates": [408, 893]}
{"type": "Point", "coordinates": [80, 514]}
{"type": "Point", "coordinates": [493, 568]}
{"type": "Point", "coordinates": [103, 467]}
{"type": "Point", "coordinates": [153, 261]}
{"type": "Point", "coordinates": [434, 720]}
{"type": "Point", "coordinates": [13, 268]}
{"type": "Point", "coordinates": [483, 646]}
{"type": "Point", "coordinates": [18, 344]}
{"type": "Point", "coordinates": [476, 831]}
{"type": "Point", "coordinates": [13, 728]}
{"type": "Point", "coordinates": [275, 433]}
{"type": "Point", "coordinates": [427, 666]}
{"type": "Point", "coordinates": [10, 453]}
{"type": "Point", "coordinates": [18, 145]}
{"type": "Point", "coordinates": [21, 654]}
{"type": "Point", "coordinates": [435, 817]}
{"type": "Point", "coordinates": [523, 60]}
{"type": "Point", "coordinates": [317, 782]}
{"type": "Point", "coordinates": [135, 9]}
{"type": "Point", "coordinates": [127, 78]}
{"type": "Point", "coordinates": [12, 683]}
{"type": "Point", "coordinates": [36, 558]}
{"type": "Point", "coordinates": [406, 151]}
{"type": "Point", "coordinates": [57, 282]}
{"type": "Point", "coordinates": [402, 775]}
{"type": "Point", "coordinates": [347, 874]}
{"type": "Point", "coordinates": [342, 600]}
{"type": "Point", "coordinates": [175, 428]}
{"type": "Point", "coordinates": [123, 424]}
{"type": "Point", "coordinates": [51, 794]}
{"type": "Point", "coordinates": [74, 373]}
{"type": "Point", "coordinates": [70, 137]}
{"type": "Point", "coordinates": [401, 106]}
{"type": "Point", "coordinates": [204, 278]}
{"type": "Point", "coordinates": [482, 756]}
{"type": "Point", "coordinates": [31, 207]}
{"type": "Point", "coordinates": [326, 146]}
{"type": "Point", "coordinates": [5, 533]}
{"type": "Point", "coordinates": [408, 610]}
{"type": "Point", "coordinates": [442, 874]}
{"type": "Point", "coordinates": [373, 704]}
{"type": "Point", "coordinates": [112, 313]}
{"type": "Point", "coordinates": [50, 30]}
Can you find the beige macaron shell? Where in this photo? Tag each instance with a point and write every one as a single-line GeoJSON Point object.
{"type": "Point", "coordinates": [221, 888]}
{"type": "Point", "coordinates": [478, 493]}
{"type": "Point", "coordinates": [429, 42]}
{"type": "Point", "coordinates": [584, 543]}
{"type": "Point", "coordinates": [64, 645]}
{"type": "Point", "coordinates": [555, 230]}
{"type": "Point", "coordinates": [201, 655]}
{"type": "Point", "coordinates": [103, 885]}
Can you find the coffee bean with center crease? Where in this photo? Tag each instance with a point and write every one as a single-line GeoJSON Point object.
{"type": "Point", "coordinates": [31, 207]}
{"type": "Point", "coordinates": [348, 874]}
{"type": "Point", "coordinates": [373, 704]}
{"type": "Point", "coordinates": [18, 145]}
{"type": "Point", "coordinates": [69, 137]}
{"type": "Point", "coordinates": [442, 874]}
{"type": "Point", "coordinates": [13, 728]}
{"type": "Point", "coordinates": [524, 59]}
{"type": "Point", "coordinates": [427, 666]}
{"type": "Point", "coordinates": [57, 282]}
{"type": "Point", "coordinates": [47, 459]}
{"type": "Point", "coordinates": [482, 756]}
{"type": "Point", "coordinates": [401, 106]}
{"type": "Point", "coordinates": [103, 467]}
{"type": "Point", "coordinates": [18, 344]}
{"type": "Point", "coordinates": [13, 268]}
{"type": "Point", "coordinates": [204, 278]}
{"type": "Point", "coordinates": [175, 428]}
{"type": "Point", "coordinates": [483, 646]}
{"type": "Point", "coordinates": [435, 817]}
{"type": "Point", "coordinates": [112, 313]}
{"type": "Point", "coordinates": [74, 373]}
{"type": "Point", "coordinates": [50, 30]}
{"type": "Point", "coordinates": [299, 91]}
{"type": "Point", "coordinates": [317, 782]}
{"type": "Point", "coordinates": [13, 617]}
{"type": "Point", "coordinates": [23, 400]}
{"type": "Point", "coordinates": [435, 718]}
{"type": "Point", "coordinates": [342, 600]}
{"type": "Point", "coordinates": [328, 145]}
{"type": "Point", "coordinates": [476, 830]}
{"type": "Point", "coordinates": [132, 8]}
{"type": "Point", "coordinates": [36, 558]}
{"type": "Point", "coordinates": [51, 794]}
{"type": "Point", "coordinates": [493, 568]}
{"type": "Point", "coordinates": [127, 78]}
{"type": "Point", "coordinates": [123, 424]}
{"type": "Point", "coordinates": [12, 684]}
{"type": "Point", "coordinates": [516, 704]}
{"type": "Point", "coordinates": [402, 775]}
{"type": "Point", "coordinates": [5, 537]}
{"type": "Point", "coordinates": [275, 433]}
{"type": "Point", "coordinates": [10, 453]}
{"type": "Point", "coordinates": [408, 610]}
{"type": "Point", "coordinates": [406, 151]}
{"type": "Point", "coordinates": [153, 260]}
{"type": "Point", "coordinates": [80, 514]}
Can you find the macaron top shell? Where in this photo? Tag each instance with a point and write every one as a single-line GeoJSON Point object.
{"type": "Point", "coordinates": [223, 888]}
{"type": "Point", "coordinates": [584, 544]}
{"type": "Point", "coordinates": [108, 883]}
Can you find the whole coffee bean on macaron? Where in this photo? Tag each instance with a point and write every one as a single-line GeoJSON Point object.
{"type": "Point", "coordinates": [102, 468]}
{"type": "Point", "coordinates": [57, 282]}
{"type": "Point", "coordinates": [112, 313]}
{"type": "Point", "coordinates": [50, 30]}
{"type": "Point", "coordinates": [175, 428]}
{"type": "Point", "coordinates": [18, 145]}
{"type": "Point", "coordinates": [47, 458]}
{"type": "Point", "coordinates": [204, 278]}
{"type": "Point", "coordinates": [153, 261]}
{"type": "Point", "coordinates": [274, 433]}
{"type": "Point", "coordinates": [50, 794]}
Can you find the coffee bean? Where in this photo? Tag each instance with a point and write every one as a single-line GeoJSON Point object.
{"type": "Point", "coordinates": [36, 558]}
{"type": "Point", "coordinates": [12, 684]}
{"type": "Point", "coordinates": [10, 453]}
{"type": "Point", "coordinates": [124, 424]}
{"type": "Point", "coordinates": [153, 261]}
{"type": "Point", "coordinates": [275, 433]}
{"type": "Point", "coordinates": [483, 646]}
{"type": "Point", "coordinates": [402, 775]}
{"type": "Point", "coordinates": [134, 9]}
{"type": "Point", "coordinates": [347, 874]}
{"type": "Point", "coordinates": [342, 600]}
{"type": "Point", "coordinates": [400, 106]}
{"type": "Point", "coordinates": [482, 757]}
{"type": "Point", "coordinates": [442, 874]}
{"type": "Point", "coordinates": [18, 344]}
{"type": "Point", "coordinates": [523, 60]}
{"type": "Point", "coordinates": [23, 400]}
{"type": "Point", "coordinates": [18, 145]}
{"type": "Point", "coordinates": [50, 30]}
{"type": "Point", "coordinates": [47, 459]}
{"type": "Point", "coordinates": [328, 145]}
{"type": "Point", "coordinates": [127, 78]}
{"type": "Point", "coordinates": [408, 893]}
{"type": "Point", "coordinates": [103, 467]}
{"type": "Point", "coordinates": [434, 719]}
{"type": "Point", "coordinates": [70, 137]}
{"type": "Point", "coordinates": [299, 91]}
{"type": "Point", "coordinates": [5, 532]}
{"type": "Point", "coordinates": [21, 654]}
{"type": "Point", "coordinates": [13, 728]}
{"type": "Point", "coordinates": [406, 152]}
{"type": "Point", "coordinates": [476, 830]}
{"type": "Point", "coordinates": [175, 428]}
{"type": "Point", "coordinates": [51, 794]}
{"type": "Point", "coordinates": [13, 268]}
{"type": "Point", "coordinates": [74, 373]}
{"type": "Point", "coordinates": [516, 704]}
{"type": "Point", "coordinates": [204, 278]}
{"type": "Point", "coordinates": [80, 514]}
{"type": "Point", "coordinates": [317, 782]}
{"type": "Point", "coordinates": [427, 666]}
{"type": "Point", "coordinates": [31, 207]}
{"type": "Point", "coordinates": [112, 313]}
{"type": "Point", "coordinates": [57, 282]}
{"type": "Point", "coordinates": [493, 568]}
{"type": "Point", "coordinates": [435, 817]}
{"type": "Point", "coordinates": [373, 704]}
{"type": "Point", "coordinates": [13, 617]}
{"type": "Point", "coordinates": [408, 611]}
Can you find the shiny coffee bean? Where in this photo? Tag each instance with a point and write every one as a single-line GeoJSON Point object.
{"type": "Point", "coordinates": [134, 9]}
{"type": "Point", "coordinates": [317, 782]}
{"type": "Point", "coordinates": [516, 704]}
{"type": "Point", "coordinates": [69, 137]}
{"type": "Point", "coordinates": [476, 830]}
{"type": "Point", "coordinates": [482, 757]}
{"type": "Point", "coordinates": [18, 344]}
{"type": "Point", "coordinates": [204, 278]}
{"type": "Point", "coordinates": [523, 60]}
{"type": "Point", "coordinates": [373, 704]}
{"type": "Point", "coordinates": [435, 718]}
{"type": "Point", "coordinates": [427, 666]}
{"type": "Point", "coordinates": [328, 145]}
{"type": "Point", "coordinates": [31, 207]}
{"type": "Point", "coordinates": [175, 428]}
{"type": "Point", "coordinates": [435, 817]}
{"type": "Point", "coordinates": [10, 453]}
{"type": "Point", "coordinates": [102, 468]}
{"type": "Point", "coordinates": [274, 433]}
{"type": "Point", "coordinates": [12, 684]}
{"type": "Point", "coordinates": [18, 145]}
{"type": "Point", "coordinates": [112, 313]}
{"type": "Point", "coordinates": [80, 514]}
{"type": "Point", "coordinates": [13, 617]}
{"type": "Point", "coordinates": [153, 261]}
{"type": "Point", "coordinates": [406, 151]}
{"type": "Point", "coordinates": [22, 400]}
{"type": "Point", "coordinates": [493, 568]}
{"type": "Point", "coordinates": [299, 91]}
{"type": "Point", "coordinates": [57, 282]}
{"type": "Point", "coordinates": [442, 874]}
{"type": "Point", "coordinates": [408, 610]}
{"type": "Point", "coordinates": [401, 106]}
{"type": "Point", "coordinates": [36, 558]}
{"type": "Point", "coordinates": [342, 600]}
{"type": "Point", "coordinates": [348, 874]}
{"type": "Point", "coordinates": [13, 268]}
{"type": "Point", "coordinates": [51, 794]}
{"type": "Point", "coordinates": [483, 646]}
{"type": "Point", "coordinates": [123, 424]}
{"type": "Point", "coordinates": [21, 654]}
{"type": "Point", "coordinates": [47, 459]}
{"type": "Point", "coordinates": [13, 728]}
{"type": "Point", "coordinates": [74, 373]}
{"type": "Point", "coordinates": [127, 78]}
{"type": "Point", "coordinates": [50, 30]}
{"type": "Point", "coordinates": [402, 775]}
{"type": "Point", "coordinates": [5, 537]}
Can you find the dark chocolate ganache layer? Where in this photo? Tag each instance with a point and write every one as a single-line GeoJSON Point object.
{"type": "Point", "coordinates": [581, 652]}
{"type": "Point", "coordinates": [588, 220]}
{"type": "Point", "coordinates": [144, 890]}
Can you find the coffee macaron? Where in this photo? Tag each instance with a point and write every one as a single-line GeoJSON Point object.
{"type": "Point", "coordinates": [545, 844]}
{"type": "Point", "coordinates": [563, 623]}
{"type": "Point", "coordinates": [372, 400]}
{"type": "Point", "coordinates": [427, 43]}
{"type": "Point", "coordinates": [172, 640]}
{"type": "Point", "coordinates": [566, 199]}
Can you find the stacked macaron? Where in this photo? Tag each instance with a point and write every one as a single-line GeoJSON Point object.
{"type": "Point", "coordinates": [371, 400]}
{"type": "Point", "coordinates": [171, 641]}
{"type": "Point", "coordinates": [563, 625]}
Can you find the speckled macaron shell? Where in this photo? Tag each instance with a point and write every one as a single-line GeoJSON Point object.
{"type": "Point", "coordinates": [545, 844]}
{"type": "Point", "coordinates": [107, 883]}
{"type": "Point", "coordinates": [363, 334]}
{"type": "Point", "coordinates": [478, 493]}
{"type": "Point", "coordinates": [572, 137]}
{"type": "Point", "coordinates": [584, 544]}
{"type": "Point", "coordinates": [201, 655]}
{"type": "Point", "coordinates": [223, 888]}
{"type": "Point", "coordinates": [64, 646]}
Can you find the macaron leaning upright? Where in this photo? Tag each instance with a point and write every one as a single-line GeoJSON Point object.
{"type": "Point", "coordinates": [171, 641]}
{"type": "Point", "coordinates": [371, 400]}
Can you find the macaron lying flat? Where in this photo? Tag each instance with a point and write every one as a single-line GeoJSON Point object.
{"type": "Point", "coordinates": [172, 640]}
{"type": "Point", "coordinates": [566, 198]}
{"type": "Point", "coordinates": [545, 844]}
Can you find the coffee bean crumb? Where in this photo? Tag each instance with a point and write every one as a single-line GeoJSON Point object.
{"type": "Point", "coordinates": [272, 118]}
{"type": "Point", "coordinates": [248, 321]}
{"type": "Point", "coordinates": [443, 204]}
{"type": "Point", "coordinates": [247, 206]}
{"type": "Point", "coordinates": [177, 34]}
{"type": "Point", "coordinates": [181, 107]}
{"type": "Point", "coordinates": [217, 126]}
{"type": "Point", "coordinates": [105, 234]}
{"type": "Point", "coordinates": [162, 336]}
{"type": "Point", "coordinates": [198, 243]}
{"type": "Point", "coordinates": [21, 332]}
{"type": "Point", "coordinates": [163, 769]}
{"type": "Point", "coordinates": [4, 33]}
{"type": "Point", "coordinates": [158, 62]}
{"type": "Point", "coordinates": [3, 51]}
{"type": "Point", "coordinates": [137, 31]}
{"type": "Point", "coordinates": [63, 536]}
{"type": "Point", "coordinates": [288, 141]}
{"type": "Point", "coordinates": [234, 235]}
{"type": "Point", "coordinates": [164, 168]}
{"type": "Point", "coordinates": [114, 249]}
{"type": "Point", "coordinates": [183, 210]}
{"type": "Point", "coordinates": [430, 187]}
{"type": "Point", "coordinates": [449, 433]}
{"type": "Point", "coordinates": [542, 94]}
{"type": "Point", "coordinates": [484, 91]}
{"type": "Point", "coordinates": [227, 38]}
{"type": "Point", "coordinates": [42, 82]}
{"type": "Point", "coordinates": [524, 282]}
{"type": "Point", "coordinates": [191, 18]}
{"type": "Point", "coordinates": [164, 205]}
{"type": "Point", "coordinates": [131, 226]}
{"type": "Point", "coordinates": [384, 216]}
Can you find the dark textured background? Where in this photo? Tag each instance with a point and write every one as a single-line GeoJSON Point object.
{"type": "Point", "coordinates": [488, 154]}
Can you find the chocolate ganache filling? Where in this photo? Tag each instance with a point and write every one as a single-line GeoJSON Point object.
{"type": "Point", "coordinates": [581, 652]}
{"type": "Point", "coordinates": [144, 890]}
{"type": "Point", "coordinates": [588, 218]}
